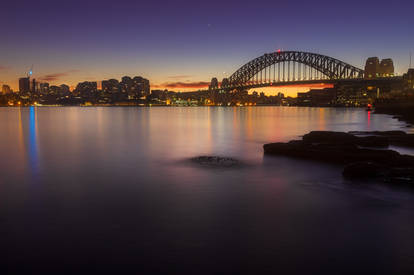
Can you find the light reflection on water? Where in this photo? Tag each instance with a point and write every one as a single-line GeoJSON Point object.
{"type": "Point", "coordinates": [112, 186]}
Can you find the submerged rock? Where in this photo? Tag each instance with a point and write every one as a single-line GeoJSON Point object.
{"type": "Point", "coordinates": [216, 161]}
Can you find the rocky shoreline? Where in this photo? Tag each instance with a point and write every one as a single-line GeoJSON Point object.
{"type": "Point", "coordinates": [363, 154]}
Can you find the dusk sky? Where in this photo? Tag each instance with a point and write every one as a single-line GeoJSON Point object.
{"type": "Point", "coordinates": [181, 44]}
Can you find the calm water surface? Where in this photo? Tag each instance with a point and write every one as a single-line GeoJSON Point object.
{"type": "Point", "coordinates": [111, 190]}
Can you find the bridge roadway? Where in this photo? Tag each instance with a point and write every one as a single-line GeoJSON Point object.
{"type": "Point", "coordinates": [356, 81]}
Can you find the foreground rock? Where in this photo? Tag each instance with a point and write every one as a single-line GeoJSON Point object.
{"type": "Point", "coordinates": [347, 149]}
{"type": "Point", "coordinates": [215, 161]}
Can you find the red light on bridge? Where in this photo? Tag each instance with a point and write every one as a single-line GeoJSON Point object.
{"type": "Point", "coordinates": [279, 50]}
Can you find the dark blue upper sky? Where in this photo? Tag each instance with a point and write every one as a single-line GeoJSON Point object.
{"type": "Point", "coordinates": [179, 41]}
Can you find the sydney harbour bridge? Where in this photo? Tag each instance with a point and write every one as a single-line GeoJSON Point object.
{"type": "Point", "coordinates": [284, 68]}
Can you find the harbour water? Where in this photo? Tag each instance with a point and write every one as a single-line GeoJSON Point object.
{"type": "Point", "coordinates": [112, 190]}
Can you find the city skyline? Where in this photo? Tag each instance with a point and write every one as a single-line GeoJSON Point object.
{"type": "Point", "coordinates": [176, 50]}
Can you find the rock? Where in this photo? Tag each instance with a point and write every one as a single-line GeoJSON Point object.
{"type": "Point", "coordinates": [338, 153]}
{"type": "Point", "coordinates": [348, 149]}
{"type": "Point", "coordinates": [398, 138]}
{"type": "Point", "coordinates": [216, 161]}
{"type": "Point", "coordinates": [363, 169]}
{"type": "Point", "coordinates": [329, 137]}
{"type": "Point", "coordinates": [345, 138]}
{"type": "Point", "coordinates": [373, 141]}
{"type": "Point", "coordinates": [379, 133]}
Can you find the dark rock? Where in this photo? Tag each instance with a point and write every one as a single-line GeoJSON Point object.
{"type": "Point", "coordinates": [379, 133]}
{"type": "Point", "coordinates": [345, 138]}
{"type": "Point", "coordinates": [338, 153]}
{"type": "Point", "coordinates": [373, 141]}
{"type": "Point", "coordinates": [363, 169]}
{"type": "Point", "coordinates": [398, 138]}
{"type": "Point", "coordinates": [345, 148]}
{"type": "Point", "coordinates": [216, 161]}
{"type": "Point", "coordinates": [329, 137]}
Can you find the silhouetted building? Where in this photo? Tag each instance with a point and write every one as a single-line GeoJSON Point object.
{"type": "Point", "coordinates": [110, 86]}
{"type": "Point", "coordinates": [44, 88]}
{"type": "Point", "coordinates": [225, 83]}
{"type": "Point", "coordinates": [136, 88]}
{"type": "Point", "coordinates": [55, 90]}
{"type": "Point", "coordinates": [64, 90]}
{"type": "Point", "coordinates": [409, 78]}
{"type": "Point", "coordinates": [6, 89]}
{"type": "Point", "coordinates": [33, 87]}
{"type": "Point", "coordinates": [24, 84]}
{"type": "Point", "coordinates": [386, 68]}
{"type": "Point", "coordinates": [87, 90]}
{"type": "Point", "coordinates": [213, 84]}
{"type": "Point", "coordinates": [372, 68]}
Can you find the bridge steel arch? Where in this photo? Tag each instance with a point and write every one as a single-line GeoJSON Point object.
{"type": "Point", "coordinates": [330, 67]}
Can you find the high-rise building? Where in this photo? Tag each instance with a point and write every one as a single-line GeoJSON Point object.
{"type": "Point", "coordinates": [110, 86]}
{"type": "Point", "coordinates": [6, 89]}
{"type": "Point", "coordinates": [372, 68]}
{"type": "Point", "coordinates": [87, 90]}
{"type": "Point", "coordinates": [33, 86]}
{"type": "Point", "coordinates": [136, 88]}
{"type": "Point", "coordinates": [24, 84]}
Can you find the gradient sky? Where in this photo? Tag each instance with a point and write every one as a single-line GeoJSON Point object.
{"type": "Point", "coordinates": [180, 44]}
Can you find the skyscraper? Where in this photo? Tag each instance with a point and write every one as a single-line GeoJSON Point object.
{"type": "Point", "coordinates": [24, 84]}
